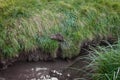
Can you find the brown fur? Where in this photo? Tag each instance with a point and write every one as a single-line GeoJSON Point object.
{"type": "Point", "coordinates": [58, 37]}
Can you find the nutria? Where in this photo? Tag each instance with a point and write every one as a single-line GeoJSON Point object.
{"type": "Point", "coordinates": [59, 38]}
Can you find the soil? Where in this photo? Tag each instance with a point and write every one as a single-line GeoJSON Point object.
{"type": "Point", "coordinates": [46, 70]}
{"type": "Point", "coordinates": [41, 70]}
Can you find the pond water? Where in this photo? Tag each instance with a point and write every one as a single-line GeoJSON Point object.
{"type": "Point", "coordinates": [51, 70]}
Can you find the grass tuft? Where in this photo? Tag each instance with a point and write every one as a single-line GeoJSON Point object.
{"type": "Point", "coordinates": [26, 25]}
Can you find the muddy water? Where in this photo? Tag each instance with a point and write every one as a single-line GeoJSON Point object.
{"type": "Point", "coordinates": [51, 70]}
{"type": "Point", "coordinates": [35, 70]}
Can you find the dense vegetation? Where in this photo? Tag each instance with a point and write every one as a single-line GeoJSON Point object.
{"type": "Point", "coordinates": [27, 25]}
{"type": "Point", "coordinates": [106, 63]}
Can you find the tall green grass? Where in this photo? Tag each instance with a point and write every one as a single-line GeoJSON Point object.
{"type": "Point", "coordinates": [26, 25]}
{"type": "Point", "coordinates": [106, 63]}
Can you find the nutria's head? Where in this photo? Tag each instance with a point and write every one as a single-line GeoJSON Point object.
{"type": "Point", "coordinates": [58, 37]}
